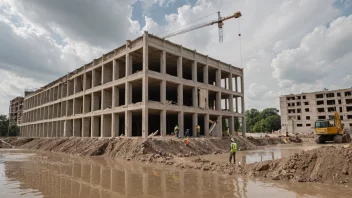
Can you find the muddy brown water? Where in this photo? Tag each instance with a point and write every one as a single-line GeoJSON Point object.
{"type": "Point", "coordinates": [43, 174]}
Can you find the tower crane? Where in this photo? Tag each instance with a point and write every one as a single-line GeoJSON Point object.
{"type": "Point", "coordinates": [219, 21]}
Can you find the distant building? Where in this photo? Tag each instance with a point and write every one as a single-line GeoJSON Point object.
{"type": "Point", "coordinates": [300, 111]}
{"type": "Point", "coordinates": [15, 110]}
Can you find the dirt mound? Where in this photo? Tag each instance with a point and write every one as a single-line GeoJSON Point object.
{"type": "Point", "coordinates": [266, 141]}
{"type": "Point", "coordinates": [326, 165]}
{"type": "Point", "coordinates": [129, 148]}
{"type": "Point", "coordinates": [5, 144]}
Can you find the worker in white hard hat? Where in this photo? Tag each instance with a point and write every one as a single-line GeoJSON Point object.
{"type": "Point", "coordinates": [233, 150]}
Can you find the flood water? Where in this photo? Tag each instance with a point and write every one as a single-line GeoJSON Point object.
{"type": "Point", "coordinates": [43, 174]}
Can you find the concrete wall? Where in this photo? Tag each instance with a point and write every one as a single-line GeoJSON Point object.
{"type": "Point", "coordinates": [111, 96]}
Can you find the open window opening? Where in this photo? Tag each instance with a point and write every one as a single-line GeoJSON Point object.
{"type": "Point", "coordinates": [97, 101]}
{"type": "Point", "coordinates": [87, 127]}
{"type": "Point", "coordinates": [120, 68]}
{"type": "Point", "coordinates": [188, 119]}
{"type": "Point", "coordinates": [96, 123]}
{"type": "Point", "coordinates": [331, 109]}
{"type": "Point", "coordinates": [349, 117]}
{"type": "Point", "coordinates": [340, 108]}
{"type": "Point", "coordinates": [321, 117]}
{"type": "Point", "coordinates": [154, 121]}
{"type": "Point", "coordinates": [71, 87]}
{"type": "Point", "coordinates": [171, 122]}
{"type": "Point", "coordinates": [154, 90]}
{"type": "Point", "coordinates": [212, 100]}
{"type": "Point", "coordinates": [201, 124]}
{"type": "Point", "coordinates": [320, 102]}
{"type": "Point", "coordinates": [330, 95]}
{"type": "Point", "coordinates": [211, 76]}
{"type": "Point", "coordinates": [171, 93]}
{"type": "Point", "coordinates": [348, 108]}
{"type": "Point", "coordinates": [107, 119]}
{"type": "Point", "coordinates": [78, 105]}
{"type": "Point", "coordinates": [77, 131]}
{"type": "Point", "coordinates": [119, 95]}
{"type": "Point", "coordinates": [78, 84]}
{"type": "Point", "coordinates": [87, 103]}
{"type": "Point", "coordinates": [107, 98]}
{"type": "Point", "coordinates": [187, 71]}
{"type": "Point", "coordinates": [319, 96]}
{"type": "Point", "coordinates": [212, 124]}
{"type": "Point", "coordinates": [225, 105]}
{"type": "Point", "coordinates": [330, 102]}
{"type": "Point", "coordinates": [200, 72]}
{"type": "Point", "coordinates": [320, 110]}
{"type": "Point", "coordinates": [187, 96]}
{"type": "Point", "coordinates": [69, 128]}
{"type": "Point", "coordinates": [224, 79]}
{"type": "Point", "coordinates": [306, 109]}
{"type": "Point", "coordinates": [97, 74]}
{"type": "Point", "coordinates": [171, 64]}
{"type": "Point", "coordinates": [119, 124]}
{"type": "Point", "coordinates": [348, 101]}
{"type": "Point", "coordinates": [137, 123]}
{"type": "Point", "coordinates": [298, 110]}
{"type": "Point", "coordinates": [107, 72]}
{"type": "Point", "coordinates": [136, 61]}
{"type": "Point", "coordinates": [88, 83]}
{"type": "Point", "coordinates": [137, 89]}
{"type": "Point", "coordinates": [155, 59]}
{"type": "Point", "coordinates": [70, 107]}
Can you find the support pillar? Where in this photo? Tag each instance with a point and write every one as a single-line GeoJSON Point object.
{"type": "Point", "coordinates": [179, 67]}
{"type": "Point", "coordinates": [163, 123]}
{"type": "Point", "coordinates": [231, 103]}
{"type": "Point", "coordinates": [195, 96]}
{"type": "Point", "coordinates": [243, 108]}
{"type": "Point", "coordinates": [163, 92]}
{"type": "Point", "coordinates": [115, 125]}
{"type": "Point", "coordinates": [163, 62]}
{"type": "Point", "coordinates": [180, 123]}
{"type": "Point", "coordinates": [194, 124]}
{"type": "Point", "coordinates": [180, 95]}
{"type": "Point", "coordinates": [231, 126]}
{"type": "Point", "coordinates": [194, 71]}
{"type": "Point", "coordinates": [218, 77]}
{"type": "Point", "coordinates": [206, 125]}
{"type": "Point", "coordinates": [128, 124]}
{"type": "Point", "coordinates": [205, 74]}
{"type": "Point", "coordinates": [218, 101]}
{"type": "Point", "coordinates": [219, 127]}
{"type": "Point", "coordinates": [145, 126]}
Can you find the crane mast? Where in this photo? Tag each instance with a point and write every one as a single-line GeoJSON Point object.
{"type": "Point", "coordinates": [219, 21]}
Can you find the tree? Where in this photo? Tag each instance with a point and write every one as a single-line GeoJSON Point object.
{"type": "Point", "coordinates": [236, 124]}
{"type": "Point", "coordinates": [266, 120]}
{"type": "Point", "coordinates": [14, 130]}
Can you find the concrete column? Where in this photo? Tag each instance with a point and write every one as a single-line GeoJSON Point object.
{"type": "Point", "coordinates": [145, 52]}
{"type": "Point", "coordinates": [180, 94]}
{"type": "Point", "coordinates": [128, 93]}
{"type": "Point", "coordinates": [205, 74]}
{"type": "Point", "coordinates": [195, 96]}
{"type": "Point", "coordinates": [243, 108]}
{"type": "Point", "coordinates": [219, 126]}
{"type": "Point", "coordinates": [179, 67]}
{"type": "Point", "coordinates": [230, 82]}
{"type": "Point", "coordinates": [231, 126]}
{"type": "Point", "coordinates": [194, 124]}
{"type": "Point", "coordinates": [163, 92]}
{"type": "Point", "coordinates": [194, 71]}
{"type": "Point", "coordinates": [163, 123]}
{"type": "Point", "coordinates": [218, 78]}
{"type": "Point", "coordinates": [129, 62]}
{"type": "Point", "coordinates": [236, 100]}
{"type": "Point", "coordinates": [145, 126]}
{"type": "Point", "coordinates": [236, 85]}
{"type": "Point", "coordinates": [218, 101]}
{"type": "Point", "coordinates": [163, 62]}
{"type": "Point", "coordinates": [145, 90]}
{"type": "Point", "coordinates": [231, 103]}
{"type": "Point", "coordinates": [128, 124]}
{"type": "Point", "coordinates": [206, 125]}
{"type": "Point", "coordinates": [180, 123]}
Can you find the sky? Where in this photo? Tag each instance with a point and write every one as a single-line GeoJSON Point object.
{"type": "Point", "coordinates": [286, 46]}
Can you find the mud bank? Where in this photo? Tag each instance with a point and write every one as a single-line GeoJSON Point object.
{"type": "Point", "coordinates": [328, 164]}
{"type": "Point", "coordinates": [129, 148]}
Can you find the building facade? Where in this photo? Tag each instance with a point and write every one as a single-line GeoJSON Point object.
{"type": "Point", "coordinates": [15, 110]}
{"type": "Point", "coordinates": [300, 111]}
{"type": "Point", "coordinates": [146, 85]}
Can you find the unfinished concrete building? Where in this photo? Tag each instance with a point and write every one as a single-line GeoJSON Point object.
{"type": "Point", "coordinates": [15, 110]}
{"type": "Point", "coordinates": [300, 111]}
{"type": "Point", "coordinates": [146, 85]}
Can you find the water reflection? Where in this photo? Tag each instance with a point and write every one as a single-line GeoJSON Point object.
{"type": "Point", "coordinates": [53, 175]}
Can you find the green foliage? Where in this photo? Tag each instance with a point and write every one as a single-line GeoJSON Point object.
{"type": "Point", "coordinates": [4, 127]}
{"type": "Point", "coordinates": [266, 120]}
{"type": "Point", "coordinates": [236, 124]}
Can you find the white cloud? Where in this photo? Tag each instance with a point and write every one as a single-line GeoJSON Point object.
{"type": "Point", "coordinates": [348, 79]}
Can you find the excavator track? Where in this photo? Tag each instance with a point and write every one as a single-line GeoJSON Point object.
{"type": "Point", "coordinates": [346, 138]}
{"type": "Point", "coordinates": [320, 139]}
{"type": "Point", "coordinates": [338, 139]}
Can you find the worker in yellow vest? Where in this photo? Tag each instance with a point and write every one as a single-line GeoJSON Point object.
{"type": "Point", "coordinates": [233, 150]}
{"type": "Point", "coordinates": [198, 130]}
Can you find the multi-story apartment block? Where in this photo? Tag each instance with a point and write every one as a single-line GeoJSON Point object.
{"type": "Point", "coordinates": [145, 85]}
{"type": "Point", "coordinates": [300, 111]}
{"type": "Point", "coordinates": [15, 110]}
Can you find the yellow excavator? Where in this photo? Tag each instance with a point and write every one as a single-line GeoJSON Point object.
{"type": "Point", "coordinates": [331, 130]}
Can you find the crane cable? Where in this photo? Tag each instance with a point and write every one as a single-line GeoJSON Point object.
{"type": "Point", "coordinates": [187, 24]}
{"type": "Point", "coordinates": [239, 34]}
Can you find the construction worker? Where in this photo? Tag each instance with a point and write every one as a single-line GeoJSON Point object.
{"type": "Point", "coordinates": [198, 130]}
{"type": "Point", "coordinates": [176, 130]}
{"type": "Point", "coordinates": [233, 150]}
